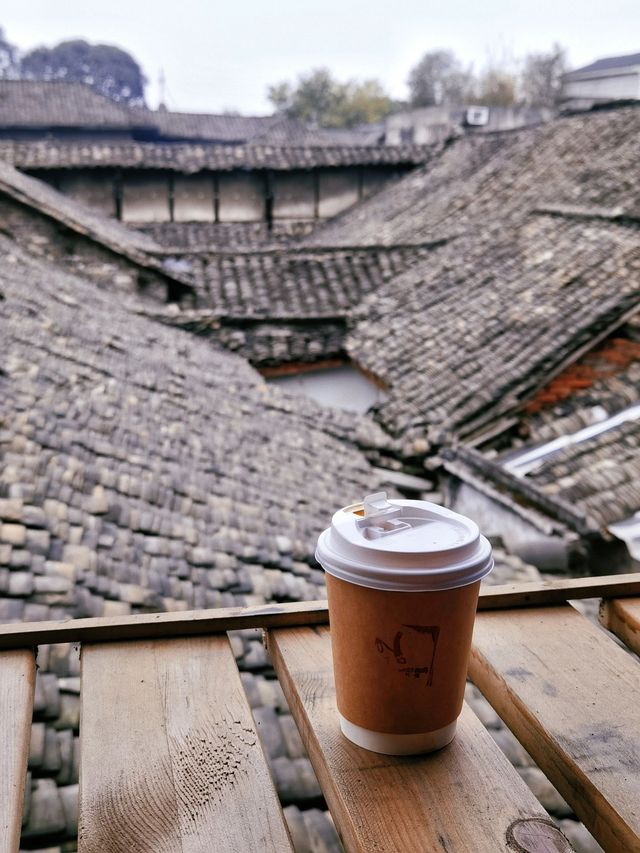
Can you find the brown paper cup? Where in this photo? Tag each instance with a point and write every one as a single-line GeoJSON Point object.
{"type": "Point", "coordinates": [403, 579]}
{"type": "Point", "coordinates": [400, 659]}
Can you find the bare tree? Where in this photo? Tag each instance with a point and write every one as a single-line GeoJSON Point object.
{"type": "Point", "coordinates": [9, 61]}
{"type": "Point", "coordinates": [541, 79]}
{"type": "Point", "coordinates": [439, 78]}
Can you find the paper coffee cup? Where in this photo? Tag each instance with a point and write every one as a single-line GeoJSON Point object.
{"type": "Point", "coordinates": [402, 579]}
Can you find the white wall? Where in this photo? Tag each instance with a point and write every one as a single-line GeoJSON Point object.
{"type": "Point", "coordinates": [338, 189]}
{"type": "Point", "coordinates": [522, 538]}
{"type": "Point", "coordinates": [608, 87]}
{"type": "Point", "coordinates": [293, 195]}
{"type": "Point", "coordinates": [241, 197]}
{"type": "Point", "coordinates": [193, 198]}
{"type": "Point", "coordinates": [93, 188]}
{"type": "Point", "coordinates": [341, 387]}
{"type": "Point", "coordinates": [145, 198]}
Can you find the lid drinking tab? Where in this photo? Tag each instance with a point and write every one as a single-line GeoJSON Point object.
{"type": "Point", "coordinates": [380, 517]}
{"type": "Point", "coordinates": [405, 545]}
{"type": "Point", "coordinates": [377, 504]}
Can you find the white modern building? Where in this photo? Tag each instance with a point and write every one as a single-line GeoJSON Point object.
{"type": "Point", "coordinates": [615, 78]}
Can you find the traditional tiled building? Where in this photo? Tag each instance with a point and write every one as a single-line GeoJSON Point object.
{"type": "Point", "coordinates": [613, 78]}
{"type": "Point", "coordinates": [144, 166]}
{"type": "Point", "coordinates": [143, 469]}
{"type": "Point", "coordinates": [488, 343]}
{"type": "Point", "coordinates": [493, 293]}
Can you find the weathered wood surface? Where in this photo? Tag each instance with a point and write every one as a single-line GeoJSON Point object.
{"type": "Point", "coordinates": [148, 626]}
{"type": "Point", "coordinates": [465, 797]}
{"type": "Point", "coordinates": [622, 617]}
{"type": "Point", "coordinates": [200, 622]}
{"type": "Point", "coordinates": [170, 759]}
{"type": "Point", "coordinates": [550, 593]}
{"type": "Point", "coordinates": [572, 698]}
{"type": "Point", "coordinates": [17, 683]}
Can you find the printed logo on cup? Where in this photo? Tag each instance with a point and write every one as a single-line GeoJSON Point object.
{"type": "Point", "coordinates": [414, 650]}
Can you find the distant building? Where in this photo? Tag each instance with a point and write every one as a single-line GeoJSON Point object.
{"type": "Point", "coordinates": [162, 167]}
{"type": "Point", "coordinates": [615, 78]}
{"type": "Point", "coordinates": [429, 125]}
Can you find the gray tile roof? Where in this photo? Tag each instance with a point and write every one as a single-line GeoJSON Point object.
{"type": "Point", "coordinates": [469, 334]}
{"type": "Point", "coordinates": [190, 158]}
{"type": "Point", "coordinates": [587, 163]}
{"type": "Point", "coordinates": [609, 63]}
{"type": "Point", "coordinates": [586, 485]}
{"type": "Point", "coordinates": [59, 104]}
{"type": "Point", "coordinates": [556, 452]}
{"type": "Point", "coordinates": [136, 249]}
{"type": "Point", "coordinates": [599, 477]}
{"type": "Point", "coordinates": [280, 306]}
{"type": "Point", "coordinates": [263, 130]}
{"type": "Point", "coordinates": [44, 198]}
{"type": "Point", "coordinates": [536, 287]}
{"type": "Point", "coordinates": [224, 236]}
{"type": "Point", "coordinates": [143, 469]}
{"type": "Point", "coordinates": [206, 126]}
{"type": "Point", "coordinates": [156, 442]}
{"type": "Point", "coordinates": [298, 283]}
{"type": "Point", "coordinates": [413, 207]}
{"type": "Point", "coordinates": [313, 289]}
{"type": "Point", "coordinates": [610, 383]}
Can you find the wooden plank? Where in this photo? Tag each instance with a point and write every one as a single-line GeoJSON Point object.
{"type": "Point", "coordinates": [170, 758]}
{"type": "Point", "coordinates": [161, 625]}
{"type": "Point", "coordinates": [550, 593]}
{"type": "Point", "coordinates": [465, 797]}
{"type": "Point", "coordinates": [622, 617]}
{"type": "Point", "coordinates": [572, 698]}
{"type": "Point", "coordinates": [17, 683]}
{"type": "Point", "coordinates": [199, 622]}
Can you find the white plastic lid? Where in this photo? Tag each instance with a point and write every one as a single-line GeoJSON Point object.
{"type": "Point", "coordinates": [404, 546]}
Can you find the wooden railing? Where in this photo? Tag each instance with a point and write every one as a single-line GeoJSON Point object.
{"type": "Point", "coordinates": [171, 760]}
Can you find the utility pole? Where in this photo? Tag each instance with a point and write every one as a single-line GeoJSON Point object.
{"type": "Point", "coordinates": [162, 82]}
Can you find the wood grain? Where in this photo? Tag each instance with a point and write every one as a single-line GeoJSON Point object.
{"type": "Point", "coordinates": [200, 622]}
{"type": "Point", "coordinates": [622, 617]}
{"type": "Point", "coordinates": [572, 698]}
{"type": "Point", "coordinates": [465, 797]}
{"type": "Point", "coordinates": [170, 758]}
{"type": "Point", "coordinates": [549, 593]}
{"type": "Point", "coordinates": [147, 626]}
{"type": "Point", "coordinates": [17, 682]}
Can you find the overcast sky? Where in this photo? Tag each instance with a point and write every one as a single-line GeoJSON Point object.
{"type": "Point", "coordinates": [222, 55]}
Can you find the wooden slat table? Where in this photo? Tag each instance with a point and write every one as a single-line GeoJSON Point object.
{"type": "Point", "coordinates": [171, 761]}
{"type": "Point", "coordinates": [17, 684]}
{"type": "Point", "coordinates": [572, 698]}
{"type": "Point", "coordinates": [622, 617]}
{"type": "Point", "coordinates": [170, 757]}
{"type": "Point", "coordinates": [465, 797]}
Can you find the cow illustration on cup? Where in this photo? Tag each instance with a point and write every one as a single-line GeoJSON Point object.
{"type": "Point", "coordinates": [414, 650]}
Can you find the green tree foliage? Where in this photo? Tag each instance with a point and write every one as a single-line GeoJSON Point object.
{"type": "Point", "coordinates": [281, 96]}
{"type": "Point", "coordinates": [107, 69]}
{"type": "Point", "coordinates": [440, 78]}
{"type": "Point", "coordinates": [320, 99]}
{"type": "Point", "coordinates": [362, 103]}
{"type": "Point", "coordinates": [541, 79]}
{"type": "Point", "coordinates": [9, 62]}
